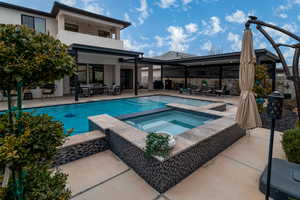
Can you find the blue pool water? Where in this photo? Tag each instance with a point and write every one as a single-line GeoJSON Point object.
{"type": "Point", "coordinates": [172, 121]}
{"type": "Point", "coordinates": [75, 115]}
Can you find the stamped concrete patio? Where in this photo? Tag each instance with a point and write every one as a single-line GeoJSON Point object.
{"type": "Point", "coordinates": [233, 174]}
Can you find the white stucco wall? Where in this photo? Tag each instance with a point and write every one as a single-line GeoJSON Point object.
{"type": "Point", "coordinates": [69, 38]}
{"type": "Point", "coordinates": [10, 16]}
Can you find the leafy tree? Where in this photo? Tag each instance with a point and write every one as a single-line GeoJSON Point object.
{"type": "Point", "coordinates": [262, 87]}
{"type": "Point", "coordinates": [28, 59]}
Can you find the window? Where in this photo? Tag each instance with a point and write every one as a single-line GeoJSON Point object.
{"type": "Point", "coordinates": [40, 25]}
{"type": "Point", "coordinates": [105, 34]}
{"type": "Point", "coordinates": [96, 74]}
{"type": "Point", "coordinates": [36, 23]}
{"type": "Point", "coordinates": [82, 73]}
{"type": "Point", "coordinates": [71, 27]}
{"type": "Point", "coordinates": [89, 74]}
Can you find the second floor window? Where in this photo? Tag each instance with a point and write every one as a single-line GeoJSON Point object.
{"type": "Point", "coordinates": [71, 27]}
{"type": "Point", "coordinates": [103, 34]}
{"type": "Point", "coordinates": [36, 23]}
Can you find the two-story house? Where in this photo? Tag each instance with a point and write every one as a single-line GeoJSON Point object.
{"type": "Point", "coordinates": [96, 39]}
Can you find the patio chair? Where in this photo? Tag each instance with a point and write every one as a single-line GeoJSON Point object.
{"type": "Point", "coordinates": [205, 90]}
{"type": "Point", "coordinates": [48, 90]}
{"type": "Point", "coordinates": [223, 91]}
{"type": "Point", "coordinates": [85, 91]}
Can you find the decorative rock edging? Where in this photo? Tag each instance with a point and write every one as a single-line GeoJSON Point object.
{"type": "Point", "coordinates": [193, 149]}
{"type": "Point", "coordinates": [164, 175]}
{"type": "Point", "coordinates": [80, 146]}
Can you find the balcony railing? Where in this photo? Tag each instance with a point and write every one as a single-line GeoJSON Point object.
{"type": "Point", "coordinates": [69, 38]}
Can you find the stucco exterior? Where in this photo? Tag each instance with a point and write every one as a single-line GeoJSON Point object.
{"type": "Point", "coordinates": [88, 34]}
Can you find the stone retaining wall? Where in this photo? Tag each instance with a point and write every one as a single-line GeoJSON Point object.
{"type": "Point", "coordinates": [81, 149]}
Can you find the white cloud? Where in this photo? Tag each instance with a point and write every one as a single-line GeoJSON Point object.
{"type": "Point", "coordinates": [279, 11]}
{"type": "Point", "coordinates": [283, 15]}
{"type": "Point", "coordinates": [208, 46]}
{"type": "Point", "coordinates": [185, 2]}
{"type": "Point", "coordinates": [288, 54]}
{"type": "Point", "coordinates": [213, 26]}
{"type": "Point", "coordinates": [299, 17]}
{"type": "Point", "coordinates": [134, 45]}
{"type": "Point", "coordinates": [235, 40]}
{"type": "Point", "coordinates": [151, 53]}
{"type": "Point", "coordinates": [68, 2]}
{"type": "Point", "coordinates": [160, 41]}
{"type": "Point", "coordinates": [178, 38]}
{"type": "Point", "coordinates": [167, 3]}
{"type": "Point", "coordinates": [128, 19]}
{"type": "Point", "coordinates": [237, 17]}
{"type": "Point", "coordinates": [92, 6]}
{"type": "Point", "coordinates": [191, 27]}
{"type": "Point", "coordinates": [143, 10]}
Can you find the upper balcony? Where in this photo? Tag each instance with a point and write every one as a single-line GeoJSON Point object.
{"type": "Point", "coordinates": [75, 28]}
{"type": "Point", "coordinates": [69, 37]}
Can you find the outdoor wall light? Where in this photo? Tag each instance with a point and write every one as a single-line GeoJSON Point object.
{"type": "Point", "coordinates": [274, 111]}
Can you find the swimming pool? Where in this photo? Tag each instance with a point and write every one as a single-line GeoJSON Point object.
{"type": "Point", "coordinates": [171, 121]}
{"type": "Point", "coordinates": [75, 115]}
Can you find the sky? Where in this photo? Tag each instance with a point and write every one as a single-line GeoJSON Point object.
{"type": "Point", "coordinates": [199, 27]}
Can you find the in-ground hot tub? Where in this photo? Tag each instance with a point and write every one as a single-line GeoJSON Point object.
{"type": "Point", "coordinates": [173, 121]}
{"type": "Point", "coordinates": [194, 146]}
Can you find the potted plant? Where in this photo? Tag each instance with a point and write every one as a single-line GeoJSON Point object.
{"type": "Point", "coordinates": [159, 144]}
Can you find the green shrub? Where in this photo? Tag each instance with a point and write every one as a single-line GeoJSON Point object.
{"type": "Point", "coordinates": [33, 152]}
{"type": "Point", "coordinates": [43, 184]}
{"type": "Point", "coordinates": [291, 144]}
{"type": "Point", "coordinates": [297, 124]}
{"type": "Point", "coordinates": [157, 145]}
{"type": "Point", "coordinates": [42, 135]}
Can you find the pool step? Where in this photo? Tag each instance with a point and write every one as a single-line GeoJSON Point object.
{"type": "Point", "coordinates": [80, 146]}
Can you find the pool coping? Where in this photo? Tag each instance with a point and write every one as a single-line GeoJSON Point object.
{"type": "Point", "coordinates": [99, 100]}
{"type": "Point", "coordinates": [184, 140]}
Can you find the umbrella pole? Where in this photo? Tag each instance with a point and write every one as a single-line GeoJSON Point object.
{"type": "Point", "coordinates": [270, 160]}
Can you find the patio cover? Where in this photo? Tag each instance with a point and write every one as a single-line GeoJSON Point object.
{"type": "Point", "coordinates": [247, 114]}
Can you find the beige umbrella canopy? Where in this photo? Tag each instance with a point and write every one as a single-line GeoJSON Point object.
{"type": "Point", "coordinates": [247, 114]}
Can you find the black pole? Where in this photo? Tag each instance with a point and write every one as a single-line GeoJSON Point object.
{"type": "Point", "coordinates": [274, 77]}
{"type": "Point", "coordinates": [161, 72]}
{"type": "Point", "coordinates": [270, 160]}
{"type": "Point", "coordinates": [185, 76]}
{"type": "Point", "coordinates": [77, 84]}
{"type": "Point", "coordinates": [135, 76]}
{"type": "Point", "coordinates": [220, 77]}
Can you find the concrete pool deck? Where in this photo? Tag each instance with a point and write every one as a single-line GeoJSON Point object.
{"type": "Point", "coordinates": [126, 94]}
{"type": "Point", "coordinates": [233, 174]}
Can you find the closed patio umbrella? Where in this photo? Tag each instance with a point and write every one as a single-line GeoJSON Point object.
{"type": "Point", "coordinates": [247, 114]}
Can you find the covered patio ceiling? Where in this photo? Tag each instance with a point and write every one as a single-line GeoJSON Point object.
{"type": "Point", "coordinates": [136, 58]}
{"type": "Point", "coordinates": [224, 62]}
{"type": "Point", "coordinates": [74, 49]}
{"type": "Point", "coordinates": [225, 58]}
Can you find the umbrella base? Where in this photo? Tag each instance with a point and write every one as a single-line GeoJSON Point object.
{"type": "Point", "coordinates": [285, 180]}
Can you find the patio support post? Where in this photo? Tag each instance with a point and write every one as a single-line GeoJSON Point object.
{"type": "Point", "coordinates": [77, 86]}
{"type": "Point", "coordinates": [161, 72]}
{"type": "Point", "coordinates": [150, 77]}
{"type": "Point", "coordinates": [185, 76]}
{"type": "Point", "coordinates": [274, 77]}
{"type": "Point", "coordinates": [220, 77]}
{"type": "Point", "coordinates": [135, 76]}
